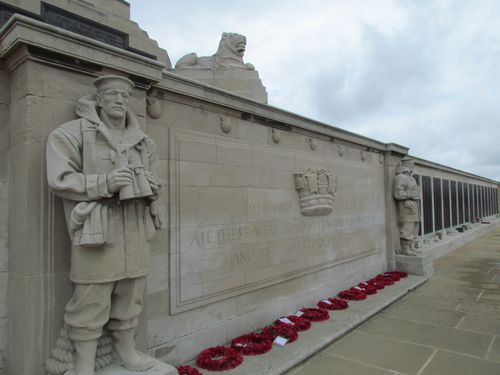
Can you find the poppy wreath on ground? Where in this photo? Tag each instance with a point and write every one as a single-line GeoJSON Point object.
{"type": "Point", "coordinates": [252, 344]}
{"type": "Point", "coordinates": [335, 304]}
{"type": "Point", "coordinates": [368, 288]}
{"type": "Point", "coordinates": [399, 274]}
{"type": "Point", "coordinates": [299, 323]}
{"type": "Point", "coordinates": [386, 281]}
{"type": "Point", "coordinates": [376, 284]}
{"type": "Point", "coordinates": [394, 277]}
{"type": "Point", "coordinates": [353, 294]}
{"type": "Point", "coordinates": [315, 315]}
{"type": "Point", "coordinates": [388, 277]}
{"type": "Point", "coordinates": [219, 358]}
{"type": "Point", "coordinates": [284, 330]}
{"type": "Point", "coordinates": [187, 370]}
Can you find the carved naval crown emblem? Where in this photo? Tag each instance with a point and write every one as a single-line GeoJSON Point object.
{"type": "Point", "coordinates": [317, 188]}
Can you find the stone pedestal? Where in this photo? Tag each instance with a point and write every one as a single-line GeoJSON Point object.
{"type": "Point", "coordinates": [159, 368]}
{"type": "Point", "coordinates": [421, 265]}
{"type": "Point", "coordinates": [239, 81]}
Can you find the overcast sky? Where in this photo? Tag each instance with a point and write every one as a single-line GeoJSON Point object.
{"type": "Point", "coordinates": [424, 73]}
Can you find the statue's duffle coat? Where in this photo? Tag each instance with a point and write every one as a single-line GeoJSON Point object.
{"type": "Point", "coordinates": [79, 155]}
{"type": "Point", "coordinates": [408, 208]}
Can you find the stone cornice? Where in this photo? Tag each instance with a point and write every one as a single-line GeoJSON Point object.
{"type": "Point", "coordinates": [21, 30]}
{"type": "Point", "coordinates": [443, 168]}
{"type": "Point", "coordinates": [254, 109]}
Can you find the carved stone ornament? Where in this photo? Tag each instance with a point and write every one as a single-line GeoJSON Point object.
{"type": "Point", "coordinates": [341, 150]}
{"type": "Point", "coordinates": [316, 188]}
{"type": "Point", "coordinates": [225, 126]}
{"type": "Point", "coordinates": [313, 144]}
{"type": "Point", "coordinates": [154, 108]}
{"type": "Point", "coordinates": [225, 69]}
{"type": "Point", "coordinates": [229, 55]}
{"type": "Point", "coordinates": [276, 136]}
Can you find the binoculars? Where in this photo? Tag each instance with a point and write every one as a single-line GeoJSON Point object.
{"type": "Point", "coordinates": [139, 188]}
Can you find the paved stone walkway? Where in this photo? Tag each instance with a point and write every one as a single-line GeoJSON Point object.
{"type": "Point", "coordinates": [449, 325]}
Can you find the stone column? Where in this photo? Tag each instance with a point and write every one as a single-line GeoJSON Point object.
{"type": "Point", "coordinates": [4, 204]}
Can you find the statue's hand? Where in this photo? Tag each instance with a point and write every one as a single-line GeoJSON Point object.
{"type": "Point", "coordinates": [118, 178]}
{"type": "Point", "coordinates": [153, 182]}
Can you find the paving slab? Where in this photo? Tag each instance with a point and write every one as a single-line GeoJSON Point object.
{"type": "Point", "coordinates": [481, 307]}
{"type": "Point", "coordinates": [412, 310]}
{"type": "Point", "coordinates": [442, 296]}
{"type": "Point", "coordinates": [333, 365]}
{"type": "Point", "coordinates": [436, 336]}
{"type": "Point", "coordinates": [445, 291]}
{"type": "Point", "coordinates": [481, 324]}
{"type": "Point", "coordinates": [371, 349]}
{"type": "Point", "coordinates": [491, 293]}
{"type": "Point", "coordinates": [444, 363]}
{"type": "Point", "coordinates": [494, 352]}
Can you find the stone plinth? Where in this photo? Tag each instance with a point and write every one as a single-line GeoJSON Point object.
{"type": "Point", "coordinates": [159, 368]}
{"type": "Point", "coordinates": [421, 265]}
{"type": "Point", "coordinates": [239, 81]}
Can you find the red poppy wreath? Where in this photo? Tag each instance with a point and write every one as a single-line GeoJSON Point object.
{"type": "Point", "coordinates": [353, 294]}
{"type": "Point", "coordinates": [288, 332]}
{"type": "Point", "coordinates": [219, 358]}
{"type": "Point", "coordinates": [381, 280]}
{"type": "Point", "coordinates": [333, 304]}
{"type": "Point", "coordinates": [315, 315]}
{"type": "Point", "coordinates": [396, 275]}
{"type": "Point", "coordinates": [187, 370]}
{"type": "Point", "coordinates": [299, 323]}
{"type": "Point", "coordinates": [376, 283]}
{"type": "Point", "coordinates": [252, 344]}
{"type": "Point", "coordinates": [368, 288]}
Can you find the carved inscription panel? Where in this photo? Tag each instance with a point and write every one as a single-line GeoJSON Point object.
{"type": "Point", "coordinates": [236, 223]}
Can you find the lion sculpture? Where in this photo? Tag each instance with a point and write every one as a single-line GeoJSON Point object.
{"type": "Point", "coordinates": [229, 55]}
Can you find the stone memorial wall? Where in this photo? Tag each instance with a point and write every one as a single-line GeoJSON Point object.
{"type": "Point", "coordinates": [241, 249]}
{"type": "Point", "coordinates": [267, 211]}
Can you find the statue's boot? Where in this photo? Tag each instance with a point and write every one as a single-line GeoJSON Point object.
{"type": "Point", "coordinates": [406, 248]}
{"type": "Point", "coordinates": [126, 353]}
{"type": "Point", "coordinates": [85, 357]}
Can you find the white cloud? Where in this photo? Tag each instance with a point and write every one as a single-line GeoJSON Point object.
{"type": "Point", "coordinates": [423, 74]}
